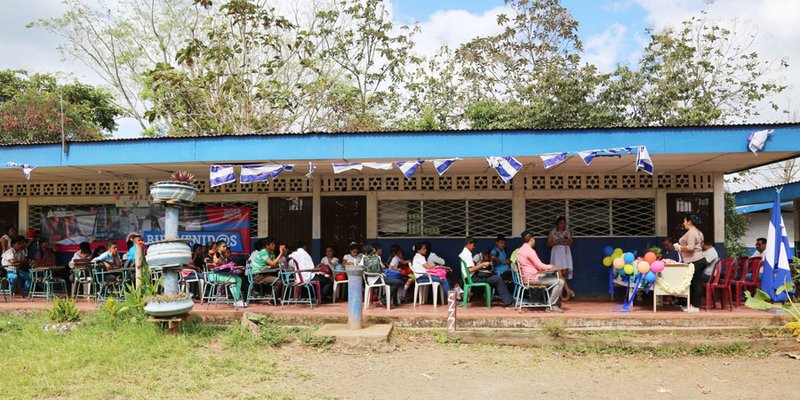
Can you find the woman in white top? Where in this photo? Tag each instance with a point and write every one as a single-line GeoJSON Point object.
{"type": "Point", "coordinates": [560, 242]}
{"type": "Point", "coordinates": [354, 257]}
{"type": "Point", "coordinates": [330, 259]}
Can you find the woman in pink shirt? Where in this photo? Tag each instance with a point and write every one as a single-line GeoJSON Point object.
{"type": "Point", "coordinates": [530, 267]}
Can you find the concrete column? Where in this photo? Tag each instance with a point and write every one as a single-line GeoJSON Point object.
{"type": "Point", "coordinates": [372, 215]}
{"type": "Point", "coordinates": [316, 208]}
{"type": "Point", "coordinates": [171, 223]}
{"type": "Point", "coordinates": [517, 205]}
{"type": "Point", "coordinates": [22, 215]}
{"type": "Point", "coordinates": [661, 213]}
{"type": "Point", "coordinates": [263, 215]}
{"type": "Point", "coordinates": [144, 190]}
{"type": "Point", "coordinates": [719, 207]}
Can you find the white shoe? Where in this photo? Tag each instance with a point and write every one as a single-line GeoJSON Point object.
{"type": "Point", "coordinates": [692, 309]}
{"type": "Point", "coordinates": [239, 304]}
{"type": "Point", "coordinates": [459, 290]}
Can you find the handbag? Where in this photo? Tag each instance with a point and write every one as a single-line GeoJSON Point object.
{"type": "Point", "coordinates": [440, 273]}
{"type": "Point", "coordinates": [392, 273]}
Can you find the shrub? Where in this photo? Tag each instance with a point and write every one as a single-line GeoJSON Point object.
{"type": "Point", "coordinates": [309, 339]}
{"type": "Point", "coordinates": [64, 310]}
{"type": "Point", "coordinates": [554, 328]}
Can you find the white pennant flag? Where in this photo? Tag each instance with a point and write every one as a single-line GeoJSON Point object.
{"type": "Point", "coordinates": [506, 166]}
{"type": "Point", "coordinates": [643, 161]}
{"type": "Point", "coordinates": [553, 159]}
{"type": "Point", "coordinates": [26, 169]}
{"type": "Point", "coordinates": [311, 168]}
{"type": "Point", "coordinates": [378, 165]}
{"type": "Point", "coordinates": [259, 173]}
{"type": "Point", "coordinates": [408, 168]}
{"type": "Point", "coordinates": [339, 168]}
{"type": "Point", "coordinates": [442, 165]}
{"type": "Point", "coordinates": [221, 174]}
{"type": "Point", "coordinates": [757, 140]}
{"type": "Point", "coordinates": [587, 156]}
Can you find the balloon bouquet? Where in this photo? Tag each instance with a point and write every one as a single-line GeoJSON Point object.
{"type": "Point", "coordinates": [636, 273]}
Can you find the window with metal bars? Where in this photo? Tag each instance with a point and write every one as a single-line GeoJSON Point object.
{"type": "Point", "coordinates": [444, 218]}
{"type": "Point", "coordinates": [593, 217]}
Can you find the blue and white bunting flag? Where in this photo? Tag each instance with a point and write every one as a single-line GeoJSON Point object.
{"type": "Point", "coordinates": [222, 174]}
{"type": "Point", "coordinates": [756, 140]}
{"type": "Point", "coordinates": [443, 164]}
{"type": "Point", "coordinates": [587, 156]}
{"type": "Point", "coordinates": [776, 255]}
{"type": "Point", "coordinates": [643, 161]}
{"type": "Point", "coordinates": [311, 168]}
{"type": "Point", "coordinates": [378, 165]}
{"type": "Point", "coordinates": [26, 169]}
{"type": "Point", "coordinates": [408, 168]}
{"type": "Point", "coordinates": [288, 167]}
{"type": "Point", "coordinates": [259, 173]}
{"type": "Point", "coordinates": [553, 159]}
{"type": "Point", "coordinates": [506, 166]}
{"type": "Point", "coordinates": [342, 167]}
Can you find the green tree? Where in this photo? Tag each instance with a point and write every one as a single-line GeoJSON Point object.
{"type": "Point", "coordinates": [735, 228]}
{"type": "Point", "coordinates": [31, 109]}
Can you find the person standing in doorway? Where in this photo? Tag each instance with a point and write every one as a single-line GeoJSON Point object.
{"type": "Point", "coordinates": [560, 242]}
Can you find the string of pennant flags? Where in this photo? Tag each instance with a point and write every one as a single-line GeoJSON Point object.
{"type": "Point", "coordinates": [505, 166]}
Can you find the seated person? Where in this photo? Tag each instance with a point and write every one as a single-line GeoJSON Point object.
{"type": "Point", "coordinates": [223, 271]}
{"type": "Point", "coordinates": [531, 266]}
{"type": "Point", "coordinates": [44, 254]}
{"type": "Point", "coordinates": [78, 264]}
{"type": "Point", "coordinates": [493, 280]}
{"type": "Point", "coordinates": [423, 270]}
{"type": "Point", "coordinates": [304, 262]}
{"type": "Point", "coordinates": [373, 264]}
{"type": "Point", "coordinates": [399, 263]}
{"type": "Point", "coordinates": [500, 261]}
{"type": "Point", "coordinates": [108, 259]}
{"type": "Point", "coordinates": [135, 240]}
{"type": "Point", "coordinates": [354, 257]}
{"type": "Point", "coordinates": [332, 263]}
{"type": "Point", "coordinates": [453, 276]}
{"type": "Point", "coordinates": [266, 259]}
{"type": "Point", "coordinates": [712, 258]}
{"type": "Point", "coordinates": [668, 251]}
{"type": "Point", "coordinates": [15, 263]}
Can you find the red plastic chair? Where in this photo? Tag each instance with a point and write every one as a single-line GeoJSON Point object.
{"type": "Point", "coordinates": [720, 281]}
{"type": "Point", "coordinates": [299, 277]}
{"type": "Point", "coordinates": [753, 267]}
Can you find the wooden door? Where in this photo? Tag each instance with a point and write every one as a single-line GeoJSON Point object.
{"type": "Point", "coordinates": [680, 205]}
{"type": "Point", "coordinates": [344, 220]}
{"type": "Point", "coordinates": [290, 220]}
{"type": "Point", "coordinates": [9, 215]}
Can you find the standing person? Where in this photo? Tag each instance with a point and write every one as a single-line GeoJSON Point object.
{"type": "Point", "coordinates": [10, 233]}
{"type": "Point", "coordinates": [560, 243]}
{"type": "Point", "coordinates": [15, 262]}
{"type": "Point", "coordinates": [420, 266]}
{"type": "Point", "coordinates": [500, 261]}
{"type": "Point", "coordinates": [493, 280]}
{"type": "Point", "coordinates": [690, 246]}
{"type": "Point", "coordinates": [531, 266]}
{"type": "Point", "coordinates": [668, 250]}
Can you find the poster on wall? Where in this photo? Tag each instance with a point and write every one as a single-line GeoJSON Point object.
{"type": "Point", "coordinates": [68, 226]}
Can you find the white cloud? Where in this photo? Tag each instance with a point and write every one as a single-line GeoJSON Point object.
{"type": "Point", "coordinates": [454, 27]}
{"type": "Point", "coordinates": [603, 50]}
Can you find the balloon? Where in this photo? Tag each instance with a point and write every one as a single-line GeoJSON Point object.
{"type": "Point", "coordinates": [629, 257]}
{"type": "Point", "coordinates": [607, 261]}
{"type": "Point", "coordinates": [650, 276]}
{"type": "Point", "coordinates": [628, 269]}
{"type": "Point", "coordinates": [643, 267]}
{"type": "Point", "coordinates": [657, 266]}
{"type": "Point", "coordinates": [650, 257]}
{"type": "Point", "coordinates": [618, 250]}
{"type": "Point", "coordinates": [608, 251]}
{"type": "Point", "coordinates": [618, 263]}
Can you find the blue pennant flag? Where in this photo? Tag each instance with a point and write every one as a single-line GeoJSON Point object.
{"type": "Point", "coordinates": [553, 159]}
{"type": "Point", "coordinates": [776, 256]}
{"type": "Point", "coordinates": [408, 168]}
{"type": "Point", "coordinates": [506, 166]}
{"type": "Point", "coordinates": [222, 174]}
{"type": "Point", "coordinates": [311, 168]}
{"type": "Point", "coordinates": [643, 161]}
{"type": "Point", "coordinates": [442, 165]}
{"type": "Point", "coordinates": [260, 173]}
{"type": "Point", "coordinates": [587, 156]}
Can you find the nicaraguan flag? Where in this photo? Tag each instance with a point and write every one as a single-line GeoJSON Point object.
{"type": "Point", "coordinates": [311, 168]}
{"type": "Point", "coordinates": [442, 165]}
{"type": "Point", "coordinates": [756, 140]}
{"type": "Point", "coordinates": [587, 156]}
{"type": "Point", "coordinates": [553, 159]}
{"type": "Point", "coordinates": [643, 161]}
{"type": "Point", "coordinates": [259, 173]}
{"type": "Point", "coordinates": [222, 174]}
{"type": "Point", "coordinates": [408, 168]}
{"type": "Point", "coordinates": [776, 256]}
{"type": "Point", "coordinates": [26, 169]}
{"type": "Point", "coordinates": [378, 165]}
{"type": "Point", "coordinates": [339, 168]}
{"type": "Point", "coordinates": [506, 166]}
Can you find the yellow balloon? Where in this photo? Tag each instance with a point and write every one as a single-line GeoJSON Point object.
{"type": "Point", "coordinates": [618, 250]}
{"type": "Point", "coordinates": [628, 269]}
{"type": "Point", "coordinates": [607, 261]}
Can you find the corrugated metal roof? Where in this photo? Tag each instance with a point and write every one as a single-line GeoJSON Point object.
{"type": "Point", "coordinates": [389, 132]}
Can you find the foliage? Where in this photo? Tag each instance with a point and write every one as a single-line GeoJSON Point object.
{"type": "Point", "coordinates": [763, 301]}
{"type": "Point", "coordinates": [735, 228]}
{"type": "Point", "coordinates": [308, 338]}
{"type": "Point", "coordinates": [31, 109]}
{"type": "Point", "coordinates": [554, 328]}
{"type": "Point", "coordinates": [64, 310]}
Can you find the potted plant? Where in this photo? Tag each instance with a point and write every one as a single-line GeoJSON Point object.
{"type": "Point", "coordinates": [169, 305]}
{"type": "Point", "coordinates": [180, 188]}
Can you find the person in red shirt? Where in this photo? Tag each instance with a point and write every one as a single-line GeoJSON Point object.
{"type": "Point", "coordinates": [531, 268]}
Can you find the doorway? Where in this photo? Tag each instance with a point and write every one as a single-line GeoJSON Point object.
{"type": "Point", "coordinates": [290, 220]}
{"type": "Point", "coordinates": [9, 214]}
{"type": "Point", "coordinates": [680, 205]}
{"type": "Point", "coordinates": [344, 220]}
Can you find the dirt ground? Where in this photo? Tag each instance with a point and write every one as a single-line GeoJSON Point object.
{"type": "Point", "coordinates": [421, 369]}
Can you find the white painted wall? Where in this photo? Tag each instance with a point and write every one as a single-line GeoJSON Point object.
{"type": "Point", "coordinates": [759, 224]}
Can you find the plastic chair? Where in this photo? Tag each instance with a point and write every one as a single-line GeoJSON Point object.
{"type": "Point", "coordinates": [7, 291]}
{"type": "Point", "coordinates": [525, 285]}
{"type": "Point", "coordinates": [104, 288]}
{"type": "Point", "coordinates": [263, 296]}
{"type": "Point", "coordinates": [469, 284]}
{"type": "Point", "coordinates": [379, 284]}
{"type": "Point", "coordinates": [216, 291]}
{"type": "Point", "coordinates": [753, 267]}
{"type": "Point", "coordinates": [196, 280]}
{"type": "Point", "coordinates": [82, 281]}
{"type": "Point", "coordinates": [336, 284]}
{"type": "Point", "coordinates": [720, 277]}
{"type": "Point", "coordinates": [420, 288]}
{"type": "Point", "coordinates": [38, 279]}
{"type": "Point", "coordinates": [293, 285]}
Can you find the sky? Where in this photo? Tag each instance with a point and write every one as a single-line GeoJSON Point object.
{"type": "Point", "coordinates": [613, 31]}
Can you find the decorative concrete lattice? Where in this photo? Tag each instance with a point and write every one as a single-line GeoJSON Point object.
{"type": "Point", "coordinates": [593, 217]}
{"type": "Point", "coordinates": [540, 215]}
{"type": "Point", "coordinates": [444, 218]}
{"type": "Point", "coordinates": [589, 217]}
{"type": "Point", "coordinates": [633, 217]}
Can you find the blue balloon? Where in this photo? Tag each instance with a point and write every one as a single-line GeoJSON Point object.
{"type": "Point", "coordinates": [650, 277]}
{"type": "Point", "coordinates": [629, 257]}
{"type": "Point", "coordinates": [609, 251]}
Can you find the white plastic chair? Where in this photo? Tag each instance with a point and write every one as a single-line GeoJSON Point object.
{"type": "Point", "coordinates": [421, 289]}
{"type": "Point", "coordinates": [336, 284]}
{"type": "Point", "coordinates": [184, 283]}
{"type": "Point", "coordinates": [380, 284]}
